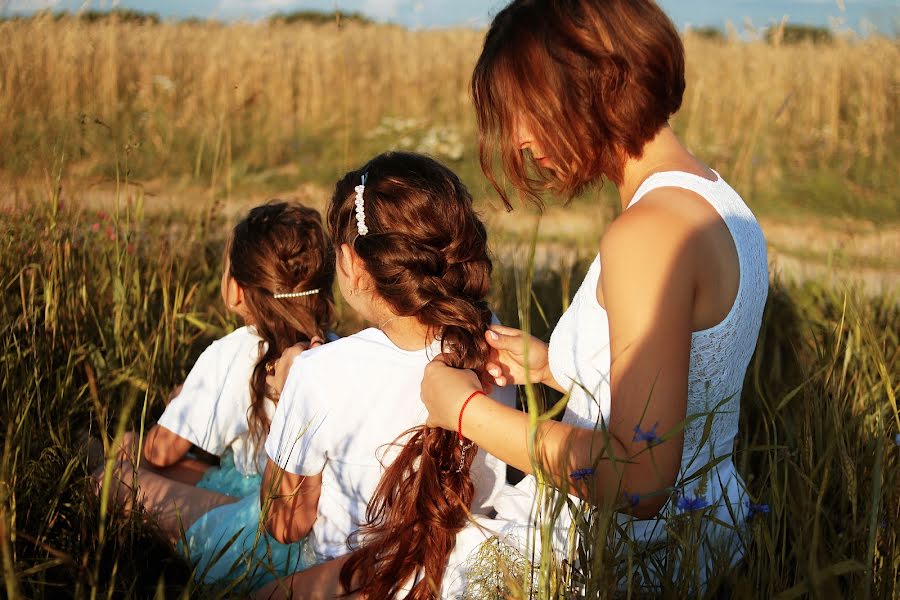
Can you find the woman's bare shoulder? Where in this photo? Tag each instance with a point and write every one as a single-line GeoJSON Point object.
{"type": "Point", "coordinates": [652, 226]}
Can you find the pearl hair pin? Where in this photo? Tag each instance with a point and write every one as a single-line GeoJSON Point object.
{"type": "Point", "coordinates": [279, 296]}
{"type": "Point", "coordinates": [360, 207]}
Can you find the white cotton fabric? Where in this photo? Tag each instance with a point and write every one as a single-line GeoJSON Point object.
{"type": "Point", "coordinates": [211, 409]}
{"type": "Point", "coordinates": [342, 407]}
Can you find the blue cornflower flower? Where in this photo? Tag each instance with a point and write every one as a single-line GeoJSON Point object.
{"type": "Point", "coordinates": [757, 509]}
{"type": "Point", "coordinates": [897, 439]}
{"type": "Point", "coordinates": [632, 499]}
{"type": "Point", "coordinates": [648, 436]}
{"type": "Point", "coordinates": [581, 474]}
{"type": "Point", "coordinates": [691, 504]}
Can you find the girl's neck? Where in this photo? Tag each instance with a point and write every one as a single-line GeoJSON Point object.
{"type": "Point", "coordinates": [407, 333]}
{"type": "Point", "coordinates": [665, 152]}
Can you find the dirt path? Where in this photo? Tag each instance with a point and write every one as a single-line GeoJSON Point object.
{"type": "Point", "coordinates": [836, 251]}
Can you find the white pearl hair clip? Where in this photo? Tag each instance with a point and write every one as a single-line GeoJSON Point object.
{"type": "Point", "coordinates": [360, 207]}
{"type": "Point", "coordinates": [295, 294]}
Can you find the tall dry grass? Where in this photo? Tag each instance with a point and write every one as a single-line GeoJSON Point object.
{"type": "Point", "coordinates": [804, 124]}
{"type": "Point", "coordinates": [98, 323]}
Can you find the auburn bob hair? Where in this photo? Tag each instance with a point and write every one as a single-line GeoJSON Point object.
{"type": "Point", "coordinates": [592, 80]}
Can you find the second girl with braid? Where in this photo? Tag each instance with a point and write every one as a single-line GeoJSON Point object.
{"type": "Point", "coordinates": [412, 260]}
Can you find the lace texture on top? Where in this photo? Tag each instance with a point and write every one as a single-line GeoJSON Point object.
{"type": "Point", "coordinates": [579, 346]}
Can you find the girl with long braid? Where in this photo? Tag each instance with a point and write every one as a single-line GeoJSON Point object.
{"type": "Point", "coordinates": [350, 458]}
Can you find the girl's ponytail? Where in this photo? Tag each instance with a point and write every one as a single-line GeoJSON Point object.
{"type": "Point", "coordinates": [281, 248]}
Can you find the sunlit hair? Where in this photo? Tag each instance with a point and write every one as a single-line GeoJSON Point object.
{"type": "Point", "coordinates": [281, 247]}
{"type": "Point", "coordinates": [426, 252]}
{"type": "Point", "coordinates": [592, 80]}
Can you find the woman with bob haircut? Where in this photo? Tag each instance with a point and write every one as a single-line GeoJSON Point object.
{"type": "Point", "coordinates": [652, 352]}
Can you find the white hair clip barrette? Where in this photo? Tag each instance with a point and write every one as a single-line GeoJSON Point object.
{"type": "Point", "coordinates": [360, 207]}
{"type": "Point", "coordinates": [279, 296]}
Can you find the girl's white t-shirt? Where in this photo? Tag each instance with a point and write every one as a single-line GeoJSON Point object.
{"type": "Point", "coordinates": [211, 409]}
{"type": "Point", "coordinates": [342, 406]}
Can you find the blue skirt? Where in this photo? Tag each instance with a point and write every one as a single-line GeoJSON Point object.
{"type": "Point", "coordinates": [226, 479]}
{"type": "Point", "coordinates": [229, 544]}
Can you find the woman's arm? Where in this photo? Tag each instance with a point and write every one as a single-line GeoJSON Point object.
{"type": "Point", "coordinates": [294, 503]}
{"type": "Point", "coordinates": [163, 448]}
{"type": "Point", "coordinates": [647, 289]}
{"type": "Point", "coordinates": [502, 431]}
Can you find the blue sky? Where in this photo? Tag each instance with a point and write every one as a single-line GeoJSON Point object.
{"type": "Point", "coordinates": [884, 14]}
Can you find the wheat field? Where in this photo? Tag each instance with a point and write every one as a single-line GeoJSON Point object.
{"type": "Point", "coordinates": [811, 125]}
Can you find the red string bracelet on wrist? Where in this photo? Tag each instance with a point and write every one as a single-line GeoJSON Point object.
{"type": "Point", "coordinates": [462, 410]}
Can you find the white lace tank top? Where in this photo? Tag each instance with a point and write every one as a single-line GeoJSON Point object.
{"type": "Point", "coordinates": [579, 352]}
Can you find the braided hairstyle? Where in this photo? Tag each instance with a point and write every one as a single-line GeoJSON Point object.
{"type": "Point", "coordinates": [281, 247]}
{"type": "Point", "coordinates": [426, 253]}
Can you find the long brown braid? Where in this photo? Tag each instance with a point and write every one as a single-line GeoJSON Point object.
{"type": "Point", "coordinates": [426, 252]}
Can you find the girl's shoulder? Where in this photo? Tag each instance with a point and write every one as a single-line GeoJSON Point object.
{"type": "Point", "coordinates": [240, 340]}
{"type": "Point", "coordinates": [320, 374]}
{"type": "Point", "coordinates": [364, 356]}
{"type": "Point", "coordinates": [352, 347]}
{"type": "Point", "coordinates": [243, 334]}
